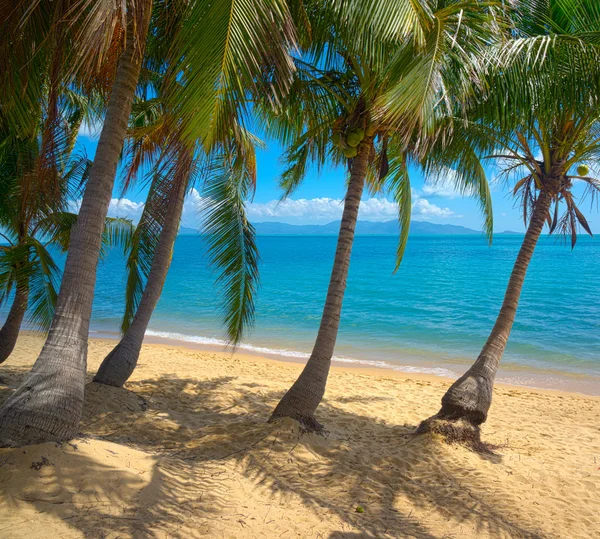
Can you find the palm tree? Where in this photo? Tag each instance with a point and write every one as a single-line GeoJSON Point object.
{"type": "Point", "coordinates": [228, 170]}
{"type": "Point", "coordinates": [166, 199]}
{"type": "Point", "coordinates": [47, 406]}
{"type": "Point", "coordinates": [231, 241]}
{"type": "Point", "coordinates": [224, 50]}
{"type": "Point", "coordinates": [368, 97]}
{"type": "Point", "coordinates": [540, 119]}
{"type": "Point", "coordinates": [38, 177]}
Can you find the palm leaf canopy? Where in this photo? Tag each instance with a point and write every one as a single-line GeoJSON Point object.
{"type": "Point", "coordinates": [193, 101]}
{"type": "Point", "coordinates": [229, 52]}
{"type": "Point", "coordinates": [535, 111]}
{"type": "Point", "coordinates": [395, 82]}
{"type": "Point", "coordinates": [226, 178]}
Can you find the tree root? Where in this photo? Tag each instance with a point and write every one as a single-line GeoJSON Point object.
{"type": "Point", "coordinates": [456, 431]}
{"type": "Point", "coordinates": [308, 424]}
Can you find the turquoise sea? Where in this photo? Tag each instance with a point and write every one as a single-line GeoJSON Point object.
{"type": "Point", "coordinates": [432, 316]}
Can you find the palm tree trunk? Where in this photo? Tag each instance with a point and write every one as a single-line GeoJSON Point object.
{"type": "Point", "coordinates": [10, 330]}
{"type": "Point", "coordinates": [470, 397]}
{"type": "Point", "coordinates": [48, 404]}
{"type": "Point", "coordinates": [120, 363]}
{"type": "Point", "coordinates": [305, 395]}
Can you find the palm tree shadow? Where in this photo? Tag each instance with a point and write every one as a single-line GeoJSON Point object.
{"type": "Point", "coordinates": [375, 464]}
{"type": "Point", "coordinates": [206, 434]}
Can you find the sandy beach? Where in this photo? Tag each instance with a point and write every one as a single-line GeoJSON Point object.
{"type": "Point", "coordinates": [185, 451]}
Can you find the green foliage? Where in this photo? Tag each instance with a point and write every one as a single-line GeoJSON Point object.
{"type": "Point", "coordinates": [231, 237]}
{"type": "Point", "coordinates": [399, 185]}
{"type": "Point", "coordinates": [536, 108]}
{"type": "Point", "coordinates": [389, 74]}
{"type": "Point", "coordinates": [229, 50]}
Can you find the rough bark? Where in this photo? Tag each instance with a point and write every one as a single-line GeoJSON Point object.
{"type": "Point", "coordinates": [302, 399]}
{"type": "Point", "coordinates": [10, 330]}
{"type": "Point", "coordinates": [470, 397]}
{"type": "Point", "coordinates": [48, 404]}
{"type": "Point", "coordinates": [120, 363]}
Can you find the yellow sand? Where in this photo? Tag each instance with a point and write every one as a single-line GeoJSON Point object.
{"type": "Point", "coordinates": [186, 453]}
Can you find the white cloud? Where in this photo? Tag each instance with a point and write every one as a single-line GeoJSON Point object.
{"type": "Point", "coordinates": [313, 209]}
{"type": "Point", "coordinates": [328, 209]}
{"type": "Point", "coordinates": [119, 207]}
{"type": "Point", "coordinates": [90, 130]}
{"type": "Point", "coordinates": [424, 208]}
{"type": "Point", "coordinates": [298, 211]}
{"type": "Point", "coordinates": [123, 207]}
{"type": "Point", "coordinates": [319, 210]}
{"type": "Point", "coordinates": [443, 185]}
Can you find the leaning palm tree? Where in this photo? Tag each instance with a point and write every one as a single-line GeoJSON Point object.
{"type": "Point", "coordinates": [47, 406]}
{"type": "Point", "coordinates": [225, 48]}
{"type": "Point", "coordinates": [227, 171]}
{"type": "Point", "coordinates": [540, 119]}
{"type": "Point", "coordinates": [228, 183]}
{"type": "Point", "coordinates": [33, 230]}
{"type": "Point", "coordinates": [151, 257]}
{"type": "Point", "coordinates": [368, 98]}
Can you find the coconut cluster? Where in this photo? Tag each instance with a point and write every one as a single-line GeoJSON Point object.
{"type": "Point", "coordinates": [348, 141]}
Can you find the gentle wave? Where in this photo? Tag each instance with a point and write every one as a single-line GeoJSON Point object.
{"type": "Point", "coordinates": [283, 352]}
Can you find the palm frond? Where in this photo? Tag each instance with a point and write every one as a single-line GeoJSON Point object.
{"type": "Point", "coordinates": [229, 50]}
{"type": "Point", "coordinates": [118, 232]}
{"type": "Point", "coordinates": [399, 186]}
{"type": "Point", "coordinates": [44, 281]}
{"type": "Point", "coordinates": [231, 240]}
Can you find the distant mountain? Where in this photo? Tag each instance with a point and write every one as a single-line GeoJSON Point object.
{"type": "Point", "coordinates": [363, 228]}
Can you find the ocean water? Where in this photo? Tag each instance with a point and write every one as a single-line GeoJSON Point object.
{"type": "Point", "coordinates": [432, 316]}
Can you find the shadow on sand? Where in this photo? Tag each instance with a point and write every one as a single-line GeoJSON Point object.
{"type": "Point", "coordinates": [209, 443]}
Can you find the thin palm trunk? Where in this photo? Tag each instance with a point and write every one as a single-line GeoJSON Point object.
{"type": "Point", "coordinates": [48, 404]}
{"type": "Point", "coordinates": [470, 397]}
{"type": "Point", "coordinates": [10, 330]}
{"type": "Point", "coordinates": [118, 366]}
{"type": "Point", "coordinates": [305, 395]}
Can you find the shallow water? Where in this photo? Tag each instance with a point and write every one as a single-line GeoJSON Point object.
{"type": "Point", "coordinates": [432, 316]}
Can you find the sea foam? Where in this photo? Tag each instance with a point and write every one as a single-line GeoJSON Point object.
{"type": "Point", "coordinates": [296, 354]}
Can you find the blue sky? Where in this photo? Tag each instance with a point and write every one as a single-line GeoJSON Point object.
{"type": "Point", "coordinates": [318, 200]}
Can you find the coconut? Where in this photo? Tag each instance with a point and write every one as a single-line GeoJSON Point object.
{"type": "Point", "coordinates": [336, 139]}
{"type": "Point", "coordinates": [350, 152]}
{"type": "Point", "coordinates": [583, 170]}
{"type": "Point", "coordinates": [355, 136]}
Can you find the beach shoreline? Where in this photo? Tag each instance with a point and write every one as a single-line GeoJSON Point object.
{"type": "Point", "coordinates": [569, 383]}
{"type": "Point", "coordinates": [524, 377]}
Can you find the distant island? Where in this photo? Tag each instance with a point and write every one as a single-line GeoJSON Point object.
{"type": "Point", "coordinates": [363, 228]}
